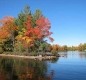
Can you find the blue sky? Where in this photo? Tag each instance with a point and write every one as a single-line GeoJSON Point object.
{"type": "Point", "coordinates": [67, 17]}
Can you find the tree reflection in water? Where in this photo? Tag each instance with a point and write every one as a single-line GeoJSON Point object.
{"type": "Point", "coordinates": [82, 55]}
{"type": "Point", "coordinates": [23, 69]}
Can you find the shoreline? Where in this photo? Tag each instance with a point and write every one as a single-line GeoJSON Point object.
{"type": "Point", "coordinates": [29, 57]}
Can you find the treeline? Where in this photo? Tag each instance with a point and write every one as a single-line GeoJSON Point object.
{"type": "Point", "coordinates": [80, 47]}
{"type": "Point", "coordinates": [28, 32]}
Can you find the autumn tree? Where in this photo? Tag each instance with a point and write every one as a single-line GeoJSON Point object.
{"type": "Point", "coordinates": [27, 31]}
{"type": "Point", "coordinates": [7, 30]}
{"type": "Point", "coordinates": [33, 28]}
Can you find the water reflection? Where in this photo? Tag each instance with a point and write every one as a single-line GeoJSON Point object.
{"type": "Point", "coordinates": [82, 55]}
{"type": "Point", "coordinates": [73, 54]}
{"type": "Point", "coordinates": [70, 66]}
{"type": "Point", "coordinates": [63, 54]}
{"type": "Point", "coordinates": [23, 69]}
{"type": "Point", "coordinates": [54, 60]}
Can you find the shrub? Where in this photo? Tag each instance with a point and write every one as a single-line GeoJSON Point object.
{"type": "Point", "coordinates": [54, 52]}
{"type": "Point", "coordinates": [1, 50]}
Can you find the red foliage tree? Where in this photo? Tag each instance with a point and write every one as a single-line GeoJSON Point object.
{"type": "Point", "coordinates": [40, 31]}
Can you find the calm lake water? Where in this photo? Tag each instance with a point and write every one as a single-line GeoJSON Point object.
{"type": "Point", "coordinates": [70, 66]}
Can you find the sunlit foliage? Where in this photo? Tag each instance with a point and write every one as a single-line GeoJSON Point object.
{"type": "Point", "coordinates": [29, 29]}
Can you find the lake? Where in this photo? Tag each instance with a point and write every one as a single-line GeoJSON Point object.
{"type": "Point", "coordinates": [70, 66]}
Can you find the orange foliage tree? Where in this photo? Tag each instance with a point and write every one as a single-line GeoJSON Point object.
{"type": "Point", "coordinates": [7, 33]}
{"type": "Point", "coordinates": [7, 27]}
